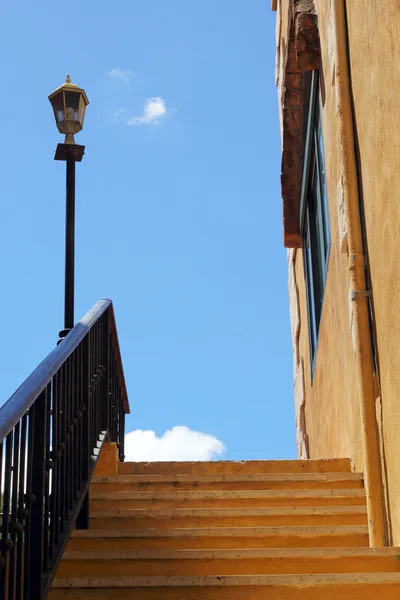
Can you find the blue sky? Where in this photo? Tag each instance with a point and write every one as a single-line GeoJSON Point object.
{"type": "Point", "coordinates": [178, 208]}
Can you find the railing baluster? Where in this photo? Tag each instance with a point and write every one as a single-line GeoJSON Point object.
{"type": "Point", "coordinates": [66, 442]}
{"type": "Point", "coordinates": [58, 450]}
{"type": "Point", "coordinates": [47, 478]}
{"type": "Point", "coordinates": [62, 449]}
{"type": "Point", "coordinates": [122, 433]}
{"type": "Point", "coordinates": [2, 550]}
{"type": "Point", "coordinates": [14, 526]}
{"type": "Point", "coordinates": [6, 543]}
{"type": "Point", "coordinates": [70, 456]}
{"type": "Point", "coordinates": [105, 385]}
{"type": "Point", "coordinates": [38, 489]}
{"type": "Point", "coordinates": [53, 533]}
{"type": "Point", "coordinates": [79, 401]}
{"type": "Point", "coordinates": [98, 387]}
{"type": "Point", "coordinates": [73, 429]}
{"type": "Point", "coordinates": [82, 521]}
{"type": "Point", "coordinates": [29, 501]}
{"type": "Point", "coordinates": [96, 379]}
{"type": "Point", "coordinates": [92, 387]}
{"type": "Point", "coordinates": [22, 510]}
{"type": "Point", "coordinates": [76, 425]}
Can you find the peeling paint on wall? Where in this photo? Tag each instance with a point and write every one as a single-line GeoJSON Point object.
{"type": "Point", "coordinates": [331, 46]}
{"type": "Point", "coordinates": [351, 319]}
{"type": "Point", "coordinates": [299, 402]}
{"type": "Point", "coordinates": [298, 365]}
{"type": "Point", "coordinates": [342, 217]}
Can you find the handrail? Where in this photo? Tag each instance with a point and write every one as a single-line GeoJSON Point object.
{"type": "Point", "coordinates": [23, 398]}
{"type": "Point", "coordinates": [51, 432]}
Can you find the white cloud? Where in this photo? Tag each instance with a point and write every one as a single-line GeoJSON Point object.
{"type": "Point", "coordinates": [154, 111]}
{"type": "Point", "coordinates": [178, 443]}
{"type": "Point", "coordinates": [123, 75]}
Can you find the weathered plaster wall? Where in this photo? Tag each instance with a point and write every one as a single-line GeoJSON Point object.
{"type": "Point", "coordinates": [327, 409]}
{"type": "Point", "coordinates": [374, 42]}
{"type": "Point", "coordinates": [282, 34]}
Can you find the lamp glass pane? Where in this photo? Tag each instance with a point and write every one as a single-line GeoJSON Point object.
{"type": "Point", "coordinates": [82, 109]}
{"type": "Point", "coordinates": [72, 105]}
{"type": "Point", "coordinates": [58, 107]}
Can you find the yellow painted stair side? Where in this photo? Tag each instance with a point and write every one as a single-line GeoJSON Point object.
{"type": "Point", "coordinates": [225, 499]}
{"type": "Point", "coordinates": [229, 517]}
{"type": "Point", "coordinates": [366, 586]}
{"type": "Point", "coordinates": [336, 465]}
{"type": "Point", "coordinates": [120, 563]}
{"type": "Point", "coordinates": [227, 537]}
{"type": "Point", "coordinates": [256, 481]}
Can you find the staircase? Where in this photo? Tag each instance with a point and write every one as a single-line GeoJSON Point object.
{"type": "Point", "coordinates": [280, 530]}
{"type": "Point", "coordinates": [76, 523]}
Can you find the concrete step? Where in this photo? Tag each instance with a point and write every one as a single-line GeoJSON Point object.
{"type": "Point", "coordinates": [219, 538]}
{"type": "Point", "coordinates": [241, 481]}
{"type": "Point", "coordinates": [228, 517]}
{"type": "Point", "coordinates": [335, 465]}
{"type": "Point", "coordinates": [228, 499]}
{"type": "Point", "coordinates": [367, 586]}
{"type": "Point", "coordinates": [125, 563]}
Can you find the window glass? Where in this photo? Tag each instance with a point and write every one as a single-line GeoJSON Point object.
{"type": "Point", "coordinates": [316, 235]}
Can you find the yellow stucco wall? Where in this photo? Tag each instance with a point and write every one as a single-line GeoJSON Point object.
{"type": "Point", "coordinates": [331, 401]}
{"type": "Point", "coordinates": [374, 43]}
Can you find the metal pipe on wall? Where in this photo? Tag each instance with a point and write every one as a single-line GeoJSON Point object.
{"type": "Point", "coordinates": [377, 521]}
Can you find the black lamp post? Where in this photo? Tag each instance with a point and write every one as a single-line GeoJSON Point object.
{"type": "Point", "coordinates": [69, 104]}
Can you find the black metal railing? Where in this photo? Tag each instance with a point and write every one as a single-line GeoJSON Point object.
{"type": "Point", "coordinates": [51, 432]}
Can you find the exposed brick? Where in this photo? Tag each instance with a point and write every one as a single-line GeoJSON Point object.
{"type": "Point", "coordinates": [303, 52]}
{"type": "Point", "coordinates": [294, 81]}
{"type": "Point", "coordinates": [291, 141]}
{"type": "Point", "coordinates": [291, 64]}
{"type": "Point", "coordinates": [293, 98]}
{"type": "Point", "coordinates": [292, 240]}
{"type": "Point", "coordinates": [290, 211]}
{"type": "Point", "coordinates": [292, 119]}
{"type": "Point", "coordinates": [307, 42]}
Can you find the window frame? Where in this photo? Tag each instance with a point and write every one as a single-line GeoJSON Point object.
{"type": "Point", "coordinates": [314, 216]}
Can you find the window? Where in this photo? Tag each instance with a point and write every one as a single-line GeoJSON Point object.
{"type": "Point", "coordinates": [314, 214]}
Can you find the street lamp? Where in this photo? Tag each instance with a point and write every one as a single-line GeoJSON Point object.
{"type": "Point", "coordinates": [69, 105]}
